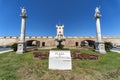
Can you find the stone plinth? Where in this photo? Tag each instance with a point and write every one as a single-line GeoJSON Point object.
{"type": "Point", "coordinates": [100, 47]}
{"type": "Point", "coordinates": [21, 48]}
{"type": "Point", "coordinates": [60, 60]}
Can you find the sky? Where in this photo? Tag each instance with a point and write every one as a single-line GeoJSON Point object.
{"type": "Point", "coordinates": [43, 15]}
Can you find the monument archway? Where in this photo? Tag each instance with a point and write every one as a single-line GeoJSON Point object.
{"type": "Point", "coordinates": [89, 43]}
{"type": "Point", "coordinates": [31, 43]}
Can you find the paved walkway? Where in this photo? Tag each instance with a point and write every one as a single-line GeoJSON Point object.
{"type": "Point", "coordinates": [115, 51]}
{"type": "Point", "coordinates": [1, 52]}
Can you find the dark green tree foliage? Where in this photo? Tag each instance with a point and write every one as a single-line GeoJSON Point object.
{"type": "Point", "coordinates": [108, 46]}
{"type": "Point", "coordinates": [60, 46]}
{"type": "Point", "coordinates": [14, 46]}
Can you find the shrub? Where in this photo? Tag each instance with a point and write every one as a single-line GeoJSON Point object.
{"type": "Point", "coordinates": [60, 46]}
{"type": "Point", "coordinates": [108, 46]}
{"type": "Point", "coordinates": [14, 46]}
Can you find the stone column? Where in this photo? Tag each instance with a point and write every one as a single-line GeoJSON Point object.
{"type": "Point", "coordinates": [21, 44]}
{"type": "Point", "coordinates": [100, 47]}
{"type": "Point", "coordinates": [98, 30]}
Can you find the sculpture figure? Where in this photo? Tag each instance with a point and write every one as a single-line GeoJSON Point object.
{"type": "Point", "coordinates": [23, 11]}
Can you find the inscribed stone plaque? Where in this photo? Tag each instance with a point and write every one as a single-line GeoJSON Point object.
{"type": "Point", "coordinates": [60, 60]}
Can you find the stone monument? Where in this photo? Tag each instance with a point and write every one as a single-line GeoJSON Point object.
{"type": "Point", "coordinates": [21, 44]}
{"type": "Point", "coordinates": [60, 59]}
{"type": "Point", "coordinates": [100, 47]}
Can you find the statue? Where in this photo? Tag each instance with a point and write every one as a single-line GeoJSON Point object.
{"type": "Point", "coordinates": [97, 13]}
{"type": "Point", "coordinates": [23, 11]}
{"type": "Point", "coordinates": [97, 10]}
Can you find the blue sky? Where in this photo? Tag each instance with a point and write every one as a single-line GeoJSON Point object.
{"type": "Point", "coordinates": [43, 15]}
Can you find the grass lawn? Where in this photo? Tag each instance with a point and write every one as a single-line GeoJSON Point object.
{"type": "Point", "coordinates": [24, 67]}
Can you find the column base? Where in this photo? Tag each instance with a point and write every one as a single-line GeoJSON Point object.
{"type": "Point", "coordinates": [100, 47]}
{"type": "Point", "coordinates": [21, 48]}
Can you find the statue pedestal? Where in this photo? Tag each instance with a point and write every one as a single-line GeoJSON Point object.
{"type": "Point", "coordinates": [21, 48]}
{"type": "Point", "coordinates": [100, 47]}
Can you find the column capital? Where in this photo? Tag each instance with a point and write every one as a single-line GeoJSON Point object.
{"type": "Point", "coordinates": [97, 16]}
{"type": "Point", "coordinates": [24, 16]}
{"type": "Point", "coordinates": [23, 13]}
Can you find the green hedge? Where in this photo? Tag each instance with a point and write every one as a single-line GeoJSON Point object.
{"type": "Point", "coordinates": [108, 46]}
{"type": "Point", "coordinates": [14, 46]}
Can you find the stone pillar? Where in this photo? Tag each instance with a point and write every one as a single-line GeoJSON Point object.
{"type": "Point", "coordinates": [21, 44]}
{"type": "Point", "coordinates": [100, 47]}
{"type": "Point", "coordinates": [98, 30]}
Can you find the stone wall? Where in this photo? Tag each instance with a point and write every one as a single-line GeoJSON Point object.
{"type": "Point", "coordinates": [70, 41]}
{"type": "Point", "coordinates": [5, 41]}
